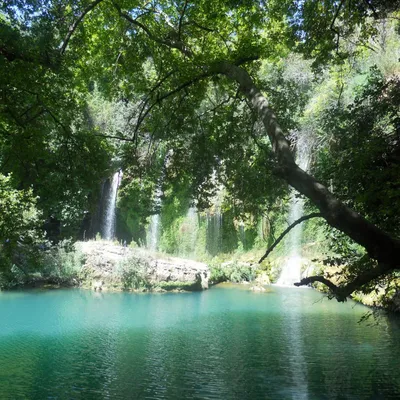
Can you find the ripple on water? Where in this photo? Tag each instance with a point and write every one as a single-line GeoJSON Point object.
{"type": "Point", "coordinates": [223, 343]}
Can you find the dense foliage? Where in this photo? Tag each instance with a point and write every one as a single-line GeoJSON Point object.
{"type": "Point", "coordinates": [164, 91]}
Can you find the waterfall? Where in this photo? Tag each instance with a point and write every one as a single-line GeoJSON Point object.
{"type": "Point", "coordinates": [214, 233]}
{"type": "Point", "coordinates": [191, 232]}
{"type": "Point", "coordinates": [291, 271]}
{"type": "Point", "coordinates": [154, 231]}
{"type": "Point", "coordinates": [108, 228]}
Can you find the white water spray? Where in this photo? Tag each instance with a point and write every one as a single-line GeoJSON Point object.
{"type": "Point", "coordinates": [109, 220]}
{"type": "Point", "coordinates": [192, 231]}
{"type": "Point", "coordinates": [291, 271]}
{"type": "Point", "coordinates": [153, 233]}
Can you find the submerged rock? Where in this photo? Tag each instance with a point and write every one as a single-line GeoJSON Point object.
{"type": "Point", "coordinates": [258, 288]}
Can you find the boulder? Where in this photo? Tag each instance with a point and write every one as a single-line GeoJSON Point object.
{"type": "Point", "coordinates": [179, 270]}
{"type": "Point", "coordinates": [258, 288]}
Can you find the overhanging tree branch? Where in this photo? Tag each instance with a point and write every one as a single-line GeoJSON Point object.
{"type": "Point", "coordinates": [379, 245]}
{"type": "Point", "coordinates": [286, 231]}
{"type": "Point", "coordinates": [175, 44]}
{"type": "Point", "coordinates": [210, 72]}
{"type": "Point", "coordinates": [181, 19]}
{"type": "Point", "coordinates": [73, 27]}
{"type": "Point", "coordinates": [332, 26]}
{"type": "Point", "coordinates": [312, 279]}
{"type": "Point", "coordinates": [202, 27]}
{"type": "Point", "coordinates": [169, 94]}
{"type": "Point", "coordinates": [341, 292]}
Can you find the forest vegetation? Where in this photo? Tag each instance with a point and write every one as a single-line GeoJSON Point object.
{"type": "Point", "coordinates": [203, 101]}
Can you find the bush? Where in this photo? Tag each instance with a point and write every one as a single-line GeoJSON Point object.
{"type": "Point", "coordinates": [238, 273]}
{"type": "Point", "coordinates": [233, 272]}
{"type": "Point", "coordinates": [62, 263]}
{"type": "Point", "coordinates": [133, 245]}
{"type": "Point", "coordinates": [11, 276]}
{"type": "Point", "coordinates": [217, 273]}
{"type": "Point", "coordinates": [29, 264]}
{"type": "Point", "coordinates": [20, 233]}
{"type": "Point", "coordinates": [132, 273]}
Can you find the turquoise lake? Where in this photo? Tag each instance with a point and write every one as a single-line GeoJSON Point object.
{"type": "Point", "coordinates": [224, 343]}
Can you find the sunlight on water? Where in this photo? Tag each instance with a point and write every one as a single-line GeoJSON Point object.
{"type": "Point", "coordinates": [224, 343]}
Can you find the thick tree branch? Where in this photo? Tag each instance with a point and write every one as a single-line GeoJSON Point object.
{"type": "Point", "coordinates": [181, 19]}
{"type": "Point", "coordinates": [332, 27]}
{"type": "Point", "coordinates": [343, 291]}
{"type": "Point", "coordinates": [312, 279]}
{"type": "Point", "coordinates": [379, 245]}
{"type": "Point", "coordinates": [286, 231]}
{"type": "Point", "coordinates": [202, 27]}
{"type": "Point", "coordinates": [366, 277]}
{"type": "Point", "coordinates": [73, 27]}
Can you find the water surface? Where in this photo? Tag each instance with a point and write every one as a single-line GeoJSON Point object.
{"type": "Point", "coordinates": [225, 343]}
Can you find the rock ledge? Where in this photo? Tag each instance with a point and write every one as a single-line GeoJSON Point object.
{"type": "Point", "coordinates": [109, 266]}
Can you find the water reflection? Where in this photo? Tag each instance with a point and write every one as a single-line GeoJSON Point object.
{"type": "Point", "coordinates": [223, 343]}
{"type": "Point", "coordinates": [293, 333]}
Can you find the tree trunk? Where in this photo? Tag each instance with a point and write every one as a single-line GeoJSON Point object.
{"type": "Point", "coordinates": [378, 243]}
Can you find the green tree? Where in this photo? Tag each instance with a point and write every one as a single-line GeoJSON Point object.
{"type": "Point", "coordinates": [46, 139]}
{"type": "Point", "coordinates": [19, 215]}
{"type": "Point", "coordinates": [193, 67]}
{"type": "Point", "coordinates": [20, 229]}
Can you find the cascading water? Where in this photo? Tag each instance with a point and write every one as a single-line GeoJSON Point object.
{"type": "Point", "coordinates": [191, 232]}
{"type": "Point", "coordinates": [153, 233]}
{"type": "Point", "coordinates": [291, 271]}
{"type": "Point", "coordinates": [108, 228]}
{"type": "Point", "coordinates": [214, 233]}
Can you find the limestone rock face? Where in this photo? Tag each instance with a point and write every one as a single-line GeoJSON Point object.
{"type": "Point", "coordinates": [179, 270]}
{"type": "Point", "coordinates": [102, 259]}
{"type": "Point", "coordinates": [109, 266]}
